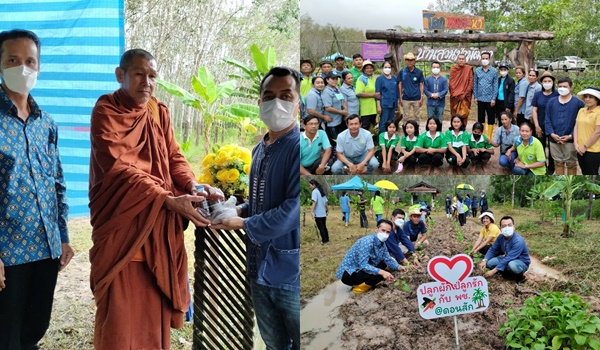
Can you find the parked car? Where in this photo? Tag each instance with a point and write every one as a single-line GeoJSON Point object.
{"type": "Point", "coordinates": [542, 63]}
{"type": "Point", "coordinates": [567, 63]}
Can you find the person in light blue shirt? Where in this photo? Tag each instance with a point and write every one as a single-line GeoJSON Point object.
{"type": "Point", "coordinates": [364, 265]}
{"type": "Point", "coordinates": [532, 88]}
{"type": "Point", "coordinates": [349, 92]}
{"type": "Point", "coordinates": [355, 150]}
{"type": "Point", "coordinates": [485, 92]}
{"type": "Point", "coordinates": [34, 240]}
{"type": "Point", "coordinates": [436, 88]}
{"type": "Point", "coordinates": [345, 206]}
{"type": "Point", "coordinates": [319, 209]}
{"type": "Point", "coordinates": [509, 253]}
{"type": "Point", "coordinates": [520, 94]}
{"type": "Point", "coordinates": [334, 106]}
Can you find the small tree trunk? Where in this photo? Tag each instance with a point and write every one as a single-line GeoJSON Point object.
{"type": "Point", "coordinates": [590, 200]}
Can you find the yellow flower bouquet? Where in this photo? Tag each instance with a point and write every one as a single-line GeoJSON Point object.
{"type": "Point", "coordinates": [227, 168]}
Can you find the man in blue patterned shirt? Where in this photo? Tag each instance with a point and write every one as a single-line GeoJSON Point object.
{"type": "Point", "coordinates": [271, 217]}
{"type": "Point", "coordinates": [34, 245]}
{"type": "Point", "coordinates": [485, 91]}
{"type": "Point", "coordinates": [366, 262]}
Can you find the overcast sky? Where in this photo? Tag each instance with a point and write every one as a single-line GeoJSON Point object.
{"type": "Point", "coordinates": [380, 14]}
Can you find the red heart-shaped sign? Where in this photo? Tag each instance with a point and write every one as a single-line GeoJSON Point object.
{"type": "Point", "coordinates": [451, 270]}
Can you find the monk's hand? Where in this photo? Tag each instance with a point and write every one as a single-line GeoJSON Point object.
{"type": "Point", "coordinates": [2, 276]}
{"type": "Point", "coordinates": [235, 223]}
{"type": "Point", "coordinates": [65, 257]}
{"type": "Point", "coordinates": [183, 205]}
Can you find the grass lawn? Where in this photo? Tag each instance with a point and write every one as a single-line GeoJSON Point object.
{"type": "Point", "coordinates": [572, 255]}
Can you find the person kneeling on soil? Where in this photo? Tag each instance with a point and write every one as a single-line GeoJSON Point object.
{"type": "Point", "coordinates": [509, 254]}
{"type": "Point", "coordinates": [416, 230]}
{"type": "Point", "coordinates": [488, 234]}
{"type": "Point", "coordinates": [398, 239]}
{"type": "Point", "coordinates": [366, 262]}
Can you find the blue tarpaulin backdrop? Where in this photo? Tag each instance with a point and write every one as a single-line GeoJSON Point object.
{"type": "Point", "coordinates": [82, 42]}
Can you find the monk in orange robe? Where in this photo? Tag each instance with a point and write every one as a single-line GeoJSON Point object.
{"type": "Point", "coordinates": [460, 86]}
{"type": "Point", "coordinates": [138, 185]}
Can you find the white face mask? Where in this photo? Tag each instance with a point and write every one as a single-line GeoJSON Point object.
{"type": "Point", "coordinates": [503, 73]}
{"type": "Point", "coordinates": [508, 231]}
{"type": "Point", "coordinates": [19, 79]}
{"type": "Point", "coordinates": [382, 236]}
{"type": "Point", "coordinates": [547, 86]}
{"type": "Point", "coordinates": [399, 222]}
{"type": "Point", "coordinates": [563, 91]}
{"type": "Point", "coordinates": [277, 114]}
{"type": "Point", "coordinates": [435, 71]}
{"type": "Point", "coordinates": [485, 62]}
{"type": "Point", "coordinates": [387, 70]}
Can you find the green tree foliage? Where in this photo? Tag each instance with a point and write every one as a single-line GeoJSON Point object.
{"type": "Point", "coordinates": [317, 41]}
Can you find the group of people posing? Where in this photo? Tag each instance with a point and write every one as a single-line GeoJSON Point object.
{"type": "Point", "coordinates": [535, 115]}
{"type": "Point", "coordinates": [395, 245]}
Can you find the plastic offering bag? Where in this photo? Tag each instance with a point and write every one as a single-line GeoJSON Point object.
{"type": "Point", "coordinates": [223, 210]}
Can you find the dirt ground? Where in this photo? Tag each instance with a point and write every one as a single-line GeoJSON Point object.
{"type": "Point", "coordinates": [388, 318]}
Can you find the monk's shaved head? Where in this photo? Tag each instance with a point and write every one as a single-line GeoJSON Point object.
{"type": "Point", "coordinates": [129, 55]}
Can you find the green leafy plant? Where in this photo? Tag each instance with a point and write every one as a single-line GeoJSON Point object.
{"type": "Point", "coordinates": [402, 283]}
{"type": "Point", "coordinates": [567, 186]}
{"type": "Point", "coordinates": [552, 321]}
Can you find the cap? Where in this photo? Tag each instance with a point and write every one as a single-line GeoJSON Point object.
{"type": "Point", "coordinates": [503, 65]}
{"type": "Point", "coordinates": [331, 75]}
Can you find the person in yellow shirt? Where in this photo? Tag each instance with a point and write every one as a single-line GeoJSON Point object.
{"type": "Point", "coordinates": [377, 206]}
{"type": "Point", "coordinates": [487, 235]}
{"type": "Point", "coordinates": [586, 132]}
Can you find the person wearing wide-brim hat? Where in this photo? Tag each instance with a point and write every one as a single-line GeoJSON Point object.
{"type": "Point", "coordinates": [365, 90]}
{"type": "Point", "coordinates": [488, 234]}
{"type": "Point", "coordinates": [411, 85]}
{"type": "Point", "coordinates": [586, 133]}
{"type": "Point", "coordinates": [538, 113]}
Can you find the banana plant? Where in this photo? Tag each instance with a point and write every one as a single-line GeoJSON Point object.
{"type": "Point", "coordinates": [263, 62]}
{"type": "Point", "coordinates": [207, 98]}
{"type": "Point", "coordinates": [566, 186]}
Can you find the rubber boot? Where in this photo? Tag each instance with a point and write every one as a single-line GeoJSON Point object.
{"type": "Point", "coordinates": [490, 131]}
{"type": "Point", "coordinates": [571, 168]}
{"type": "Point", "coordinates": [361, 288]}
{"type": "Point", "coordinates": [485, 127]}
{"type": "Point", "coordinates": [559, 168]}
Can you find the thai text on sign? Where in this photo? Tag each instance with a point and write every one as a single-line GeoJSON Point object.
{"type": "Point", "coordinates": [453, 293]}
{"type": "Point", "coordinates": [444, 20]}
{"type": "Point", "coordinates": [450, 54]}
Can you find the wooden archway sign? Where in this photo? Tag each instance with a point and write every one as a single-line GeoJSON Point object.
{"type": "Point", "coordinates": [524, 54]}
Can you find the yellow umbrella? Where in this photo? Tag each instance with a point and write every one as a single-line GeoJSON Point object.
{"type": "Point", "coordinates": [386, 185]}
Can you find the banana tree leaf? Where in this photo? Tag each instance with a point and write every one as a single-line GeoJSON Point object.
{"type": "Point", "coordinates": [243, 110]}
{"type": "Point", "coordinates": [239, 76]}
{"type": "Point", "coordinates": [204, 85]}
{"type": "Point", "coordinates": [590, 187]}
{"type": "Point", "coordinates": [554, 189]}
{"type": "Point", "coordinates": [225, 89]}
{"type": "Point", "coordinates": [262, 60]}
{"type": "Point", "coordinates": [177, 91]}
{"type": "Point", "coordinates": [227, 118]}
{"type": "Point", "coordinates": [239, 65]}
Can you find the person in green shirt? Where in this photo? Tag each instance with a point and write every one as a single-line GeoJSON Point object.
{"type": "Point", "coordinates": [406, 149]}
{"type": "Point", "coordinates": [531, 159]}
{"type": "Point", "coordinates": [386, 151]}
{"type": "Point", "coordinates": [356, 71]}
{"type": "Point", "coordinates": [365, 90]}
{"type": "Point", "coordinates": [480, 150]}
{"type": "Point", "coordinates": [377, 206]}
{"type": "Point", "coordinates": [307, 67]}
{"type": "Point", "coordinates": [431, 145]}
{"type": "Point", "coordinates": [457, 140]}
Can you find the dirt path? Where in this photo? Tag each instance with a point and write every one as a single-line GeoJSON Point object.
{"type": "Point", "coordinates": [388, 318]}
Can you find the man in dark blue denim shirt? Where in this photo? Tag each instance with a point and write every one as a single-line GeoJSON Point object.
{"type": "Point", "coordinates": [34, 244]}
{"type": "Point", "coordinates": [272, 213]}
